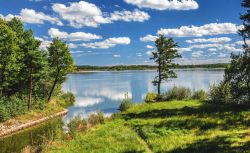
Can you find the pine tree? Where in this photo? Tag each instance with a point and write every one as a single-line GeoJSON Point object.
{"type": "Point", "coordinates": [164, 58]}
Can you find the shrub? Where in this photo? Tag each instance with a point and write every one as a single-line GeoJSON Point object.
{"type": "Point", "coordinates": [200, 95]}
{"type": "Point", "coordinates": [67, 99]}
{"type": "Point", "coordinates": [220, 93]}
{"type": "Point", "coordinates": [11, 107]}
{"type": "Point", "coordinates": [96, 118]}
{"type": "Point", "coordinates": [4, 113]}
{"type": "Point", "coordinates": [126, 103]}
{"type": "Point", "coordinates": [151, 97]}
{"type": "Point", "coordinates": [77, 124]}
{"type": "Point", "coordinates": [177, 93]}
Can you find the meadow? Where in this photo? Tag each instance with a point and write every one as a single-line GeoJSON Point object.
{"type": "Point", "coordinates": [170, 127]}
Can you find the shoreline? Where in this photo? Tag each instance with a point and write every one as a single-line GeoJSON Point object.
{"type": "Point", "coordinates": [152, 70]}
{"type": "Point", "coordinates": [13, 129]}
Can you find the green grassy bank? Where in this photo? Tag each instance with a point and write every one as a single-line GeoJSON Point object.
{"type": "Point", "coordinates": [170, 127]}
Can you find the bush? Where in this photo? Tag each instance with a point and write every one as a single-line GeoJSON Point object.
{"type": "Point", "coordinates": [126, 104]}
{"type": "Point", "coordinates": [96, 118]}
{"type": "Point", "coordinates": [151, 97]}
{"type": "Point", "coordinates": [200, 95]}
{"type": "Point", "coordinates": [67, 99]}
{"type": "Point", "coordinates": [77, 124]}
{"type": "Point", "coordinates": [220, 93]}
{"type": "Point", "coordinates": [177, 93]}
{"type": "Point", "coordinates": [11, 107]}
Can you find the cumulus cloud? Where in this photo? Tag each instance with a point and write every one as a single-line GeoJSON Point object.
{"type": "Point", "coordinates": [71, 45]}
{"type": "Point", "coordinates": [199, 31]}
{"type": "Point", "coordinates": [107, 43]}
{"type": "Point", "coordinates": [165, 4]}
{"type": "Point", "coordinates": [184, 49]}
{"type": "Point", "coordinates": [210, 40]}
{"type": "Point", "coordinates": [197, 54]}
{"type": "Point", "coordinates": [80, 14]}
{"type": "Point", "coordinates": [76, 36]}
{"type": "Point", "coordinates": [242, 42]}
{"type": "Point", "coordinates": [148, 38]}
{"type": "Point", "coordinates": [149, 47]}
{"type": "Point", "coordinates": [217, 47]}
{"type": "Point", "coordinates": [33, 17]}
{"type": "Point", "coordinates": [128, 16]}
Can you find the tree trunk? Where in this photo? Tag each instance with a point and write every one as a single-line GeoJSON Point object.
{"type": "Point", "coordinates": [30, 91]}
{"type": "Point", "coordinates": [52, 89]}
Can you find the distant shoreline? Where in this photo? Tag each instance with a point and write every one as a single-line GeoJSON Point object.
{"type": "Point", "coordinates": [89, 68]}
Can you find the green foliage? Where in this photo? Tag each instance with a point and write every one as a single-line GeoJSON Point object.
{"type": "Point", "coordinates": [126, 103]}
{"type": "Point", "coordinates": [164, 58]}
{"type": "Point", "coordinates": [151, 98]}
{"type": "Point", "coordinates": [27, 71]}
{"type": "Point", "coordinates": [11, 107]}
{"type": "Point", "coordinates": [77, 124]}
{"type": "Point", "coordinates": [220, 93]}
{"type": "Point", "coordinates": [96, 118]}
{"type": "Point", "coordinates": [66, 99]}
{"type": "Point", "coordinates": [60, 63]}
{"type": "Point", "coordinates": [144, 67]}
{"type": "Point", "coordinates": [177, 93]}
{"type": "Point", "coordinates": [200, 95]}
{"type": "Point", "coordinates": [237, 74]}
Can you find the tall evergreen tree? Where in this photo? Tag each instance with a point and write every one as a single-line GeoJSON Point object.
{"type": "Point", "coordinates": [34, 63]}
{"type": "Point", "coordinates": [9, 65]}
{"type": "Point", "coordinates": [164, 58]}
{"type": "Point", "coordinates": [238, 73]}
{"type": "Point", "coordinates": [60, 63]}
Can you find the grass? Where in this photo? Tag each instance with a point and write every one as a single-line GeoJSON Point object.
{"type": "Point", "coordinates": [168, 127]}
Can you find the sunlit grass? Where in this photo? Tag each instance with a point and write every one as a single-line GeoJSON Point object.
{"type": "Point", "coordinates": [171, 127]}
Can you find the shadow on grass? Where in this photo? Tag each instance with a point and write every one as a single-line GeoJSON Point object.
{"type": "Point", "coordinates": [201, 111]}
{"type": "Point", "coordinates": [216, 145]}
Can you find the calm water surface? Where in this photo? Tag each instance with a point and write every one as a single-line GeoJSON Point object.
{"type": "Point", "coordinates": [104, 91]}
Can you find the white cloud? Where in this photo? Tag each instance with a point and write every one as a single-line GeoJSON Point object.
{"type": "Point", "coordinates": [31, 16]}
{"type": "Point", "coordinates": [197, 54]}
{"type": "Point", "coordinates": [80, 14]}
{"type": "Point", "coordinates": [210, 40]}
{"type": "Point", "coordinates": [184, 49]}
{"type": "Point", "coordinates": [242, 42]}
{"type": "Point", "coordinates": [217, 47]}
{"type": "Point", "coordinates": [107, 43]}
{"type": "Point", "coordinates": [222, 55]}
{"type": "Point", "coordinates": [45, 44]}
{"type": "Point", "coordinates": [148, 38]}
{"type": "Point", "coordinates": [212, 49]}
{"type": "Point", "coordinates": [76, 36]}
{"type": "Point", "coordinates": [149, 47]}
{"type": "Point", "coordinates": [165, 4]}
{"type": "Point", "coordinates": [149, 53]}
{"type": "Point", "coordinates": [199, 31]}
{"type": "Point", "coordinates": [71, 45]}
{"type": "Point", "coordinates": [116, 55]}
{"type": "Point", "coordinates": [128, 16]}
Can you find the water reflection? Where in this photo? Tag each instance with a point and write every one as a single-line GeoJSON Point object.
{"type": "Point", "coordinates": [104, 90]}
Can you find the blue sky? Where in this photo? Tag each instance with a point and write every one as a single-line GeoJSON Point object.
{"type": "Point", "coordinates": [105, 32]}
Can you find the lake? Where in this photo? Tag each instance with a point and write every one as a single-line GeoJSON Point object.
{"type": "Point", "coordinates": [104, 91]}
